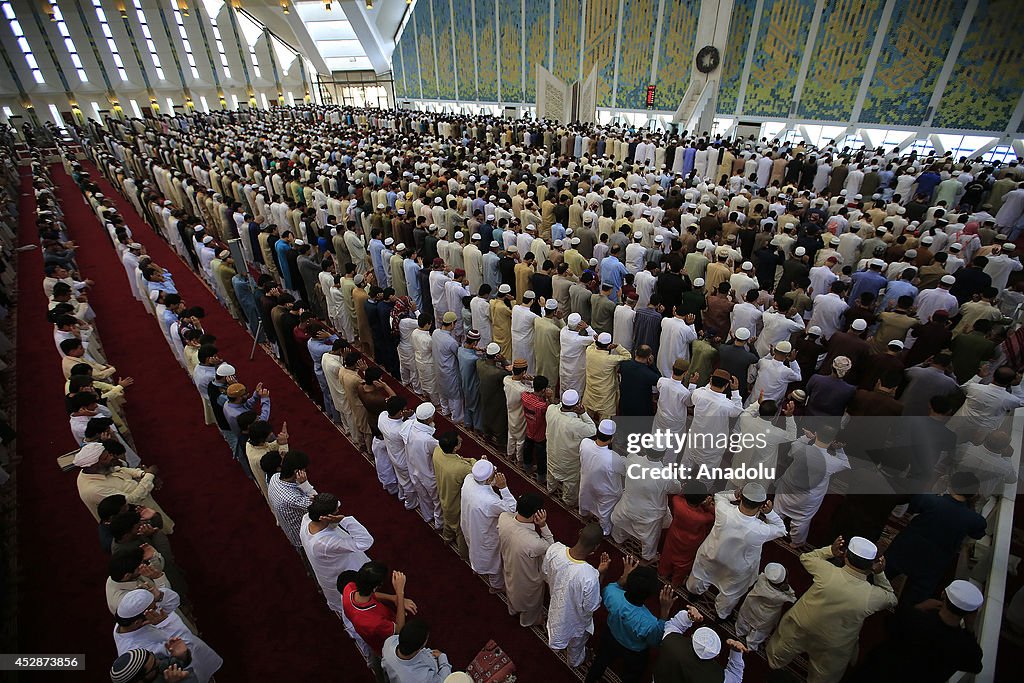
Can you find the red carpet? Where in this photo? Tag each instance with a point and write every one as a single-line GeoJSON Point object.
{"type": "Point", "coordinates": [253, 602]}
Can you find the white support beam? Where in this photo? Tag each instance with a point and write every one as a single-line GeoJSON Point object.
{"type": "Point", "coordinates": [937, 144]}
{"type": "Point", "coordinates": [908, 141]}
{"type": "Point", "coordinates": [583, 33]}
{"type": "Point", "coordinates": [986, 148]}
{"type": "Point", "coordinates": [374, 44]}
{"type": "Point", "coordinates": [805, 62]}
{"type": "Point", "coordinates": [869, 69]}
{"type": "Point", "coordinates": [950, 63]}
{"type": "Point", "coordinates": [1018, 147]}
{"type": "Point", "coordinates": [866, 137]}
{"type": "Point", "coordinates": [657, 42]}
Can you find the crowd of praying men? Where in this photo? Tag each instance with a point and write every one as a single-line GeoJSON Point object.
{"type": "Point", "coordinates": [531, 281]}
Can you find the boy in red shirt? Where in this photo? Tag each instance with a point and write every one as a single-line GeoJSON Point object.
{"type": "Point", "coordinates": [693, 515]}
{"type": "Point", "coordinates": [535, 405]}
{"type": "Point", "coordinates": [372, 617]}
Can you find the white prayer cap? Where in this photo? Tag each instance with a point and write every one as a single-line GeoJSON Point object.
{"type": "Point", "coordinates": [910, 253]}
{"type": "Point", "coordinates": [381, 206]}
{"type": "Point", "coordinates": [702, 245]}
{"type": "Point", "coordinates": [927, 239]}
{"type": "Point", "coordinates": [513, 249]}
{"type": "Point", "coordinates": [134, 603]}
{"type": "Point", "coordinates": [638, 235]}
{"type": "Point", "coordinates": [400, 247]}
{"type": "Point", "coordinates": [135, 246]}
{"type": "Point", "coordinates": [895, 343]}
{"type": "Point", "coordinates": [592, 262]}
{"type": "Point", "coordinates": [743, 334]}
{"type": "Point", "coordinates": [490, 216]}
{"type": "Point", "coordinates": [948, 280]}
{"type": "Point", "coordinates": [570, 397]}
{"type": "Point", "coordinates": [699, 282]}
{"type": "Point", "coordinates": [706, 643]}
{"type": "Point", "coordinates": [799, 251]}
{"type": "Point", "coordinates": [814, 329]}
{"type": "Point", "coordinates": [659, 239]}
{"type": "Point", "coordinates": [334, 231]}
{"type": "Point", "coordinates": [225, 370]}
{"type": "Point", "coordinates": [494, 244]}
{"type": "Point", "coordinates": [208, 239]}
{"type": "Point", "coordinates": [493, 349]}
{"type": "Point", "coordinates": [358, 279]}
{"type": "Point", "coordinates": [834, 240]}
{"type": "Point", "coordinates": [842, 193]}
{"type": "Point", "coordinates": [458, 677]}
{"type": "Point", "coordinates": [754, 492]}
{"type": "Point", "coordinates": [784, 347]}
{"type": "Point", "coordinates": [154, 295]}
{"type": "Point", "coordinates": [747, 265]}
{"type": "Point", "coordinates": [401, 212]}
{"type": "Point", "coordinates": [88, 455]}
{"type": "Point", "coordinates": [574, 319]}
{"type": "Point", "coordinates": [964, 595]}
{"type": "Point", "coordinates": [483, 470]}
{"type": "Point", "coordinates": [956, 246]}
{"type": "Point", "coordinates": [551, 305]}
{"type": "Point", "coordinates": [859, 325]}
{"type": "Point", "coordinates": [604, 338]}
{"type": "Point", "coordinates": [607, 427]}
{"type": "Point", "coordinates": [529, 294]}
{"type": "Point", "coordinates": [476, 236]}
{"type": "Point", "coordinates": [431, 228]}
{"type": "Point", "coordinates": [862, 547]}
{"type": "Point", "coordinates": [775, 572]}
{"type": "Point", "coordinates": [790, 225]}
{"type": "Point", "coordinates": [1009, 246]}
{"type": "Point", "coordinates": [389, 241]}
{"type": "Point", "coordinates": [425, 411]}
{"type": "Point", "coordinates": [459, 234]}
{"type": "Point", "coordinates": [504, 289]}
{"type": "Point", "coordinates": [531, 228]}
{"type": "Point", "coordinates": [882, 229]}
{"type": "Point", "coordinates": [575, 241]}
{"type": "Point", "coordinates": [858, 196]}
{"type": "Point", "coordinates": [557, 243]}
{"type": "Point", "coordinates": [877, 263]}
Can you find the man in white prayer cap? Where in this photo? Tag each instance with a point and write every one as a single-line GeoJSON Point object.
{"type": "Point", "coordinates": [567, 425]}
{"type": "Point", "coordinates": [143, 625]}
{"type": "Point", "coordinates": [485, 496]}
{"type": "Point", "coordinates": [692, 658]}
{"type": "Point", "coordinates": [420, 443]}
{"type": "Point", "coordinates": [929, 643]}
{"type": "Point", "coordinates": [731, 554]}
{"type": "Point", "coordinates": [602, 471]}
{"type": "Point", "coordinates": [762, 608]}
{"type": "Point", "coordinates": [825, 622]}
{"type": "Point", "coordinates": [574, 339]}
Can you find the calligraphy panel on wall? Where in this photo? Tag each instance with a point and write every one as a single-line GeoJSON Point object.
{"type": "Point", "coordinates": [988, 78]}
{"type": "Point", "coordinates": [781, 39]}
{"type": "Point", "coordinates": [676, 51]}
{"type": "Point", "coordinates": [845, 37]}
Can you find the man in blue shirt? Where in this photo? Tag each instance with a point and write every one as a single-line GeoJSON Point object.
{"type": "Point", "coordinates": [613, 271]}
{"type": "Point", "coordinates": [870, 280]}
{"type": "Point", "coordinates": [631, 629]}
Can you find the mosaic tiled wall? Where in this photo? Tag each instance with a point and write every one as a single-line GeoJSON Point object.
{"type": "Point", "coordinates": [445, 66]}
{"type": "Point", "coordinates": [840, 53]}
{"type": "Point", "coordinates": [511, 25]}
{"type": "Point", "coordinates": [988, 78]}
{"type": "Point", "coordinates": [599, 46]}
{"type": "Point", "coordinates": [780, 39]}
{"type": "Point", "coordinates": [982, 92]}
{"type": "Point", "coordinates": [735, 54]}
{"type": "Point", "coordinates": [913, 51]}
{"type": "Point", "coordinates": [676, 51]}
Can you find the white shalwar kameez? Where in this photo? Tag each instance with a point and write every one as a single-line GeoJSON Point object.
{"type": "Point", "coordinates": [572, 366]}
{"type": "Point", "coordinates": [761, 611]}
{"type": "Point", "coordinates": [394, 444]}
{"type": "Point", "coordinates": [711, 414]}
{"type": "Point", "coordinates": [522, 336]}
{"type": "Point", "coordinates": [730, 556]}
{"type": "Point", "coordinates": [419, 454]}
{"type": "Point", "coordinates": [676, 336]}
{"type": "Point", "coordinates": [601, 476]}
{"type": "Point", "coordinates": [642, 511]}
{"type": "Point", "coordinates": [801, 490]}
{"type": "Point", "coordinates": [205, 662]}
{"type": "Point", "coordinates": [424, 356]}
{"type": "Point", "coordinates": [481, 506]}
{"type": "Point", "coordinates": [575, 589]}
{"type": "Point", "coordinates": [338, 548]}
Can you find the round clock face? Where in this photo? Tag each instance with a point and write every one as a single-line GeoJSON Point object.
{"type": "Point", "coordinates": [708, 59]}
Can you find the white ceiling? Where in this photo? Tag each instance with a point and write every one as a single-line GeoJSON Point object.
{"type": "Point", "coordinates": [334, 36]}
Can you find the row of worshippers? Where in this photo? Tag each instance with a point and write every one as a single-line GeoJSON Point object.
{"type": "Point", "coordinates": [329, 545]}
{"type": "Point", "coordinates": [146, 591]}
{"type": "Point", "coordinates": [783, 347]}
{"type": "Point", "coordinates": [10, 189]}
